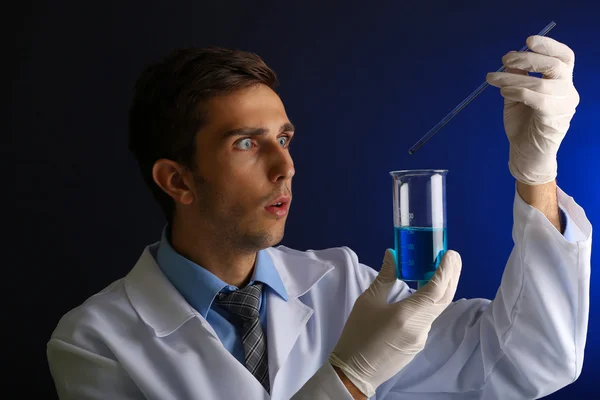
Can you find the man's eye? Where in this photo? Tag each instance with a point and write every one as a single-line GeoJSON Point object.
{"type": "Point", "coordinates": [283, 140]}
{"type": "Point", "coordinates": [244, 144]}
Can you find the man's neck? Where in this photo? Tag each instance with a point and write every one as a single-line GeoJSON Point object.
{"type": "Point", "coordinates": [231, 265]}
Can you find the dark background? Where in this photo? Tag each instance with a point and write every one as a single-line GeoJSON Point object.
{"type": "Point", "coordinates": [362, 81]}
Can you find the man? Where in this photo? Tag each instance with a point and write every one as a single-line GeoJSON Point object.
{"type": "Point", "coordinates": [214, 311]}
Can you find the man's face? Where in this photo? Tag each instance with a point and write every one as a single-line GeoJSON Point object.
{"type": "Point", "coordinates": [243, 168]}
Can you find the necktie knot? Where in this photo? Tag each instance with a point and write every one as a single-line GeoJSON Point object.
{"type": "Point", "coordinates": [243, 303]}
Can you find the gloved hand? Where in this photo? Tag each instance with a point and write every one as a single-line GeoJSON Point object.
{"type": "Point", "coordinates": [379, 339]}
{"type": "Point", "coordinates": [537, 111]}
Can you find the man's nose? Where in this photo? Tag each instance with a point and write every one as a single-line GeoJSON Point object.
{"type": "Point", "coordinates": [281, 165]}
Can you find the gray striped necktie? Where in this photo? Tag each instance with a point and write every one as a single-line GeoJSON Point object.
{"type": "Point", "coordinates": [243, 304]}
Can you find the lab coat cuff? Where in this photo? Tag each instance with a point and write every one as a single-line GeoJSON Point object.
{"type": "Point", "coordinates": [572, 233]}
{"type": "Point", "coordinates": [325, 384]}
{"type": "Point", "coordinates": [577, 226]}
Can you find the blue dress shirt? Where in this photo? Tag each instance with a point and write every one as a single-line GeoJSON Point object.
{"type": "Point", "coordinates": [199, 287]}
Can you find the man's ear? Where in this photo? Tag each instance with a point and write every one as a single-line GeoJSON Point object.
{"type": "Point", "coordinates": [170, 177]}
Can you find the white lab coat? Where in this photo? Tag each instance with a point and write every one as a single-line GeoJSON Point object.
{"type": "Point", "coordinates": [139, 338]}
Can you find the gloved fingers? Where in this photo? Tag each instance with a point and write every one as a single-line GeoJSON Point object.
{"type": "Point", "coordinates": [386, 276]}
{"type": "Point", "coordinates": [550, 67]}
{"type": "Point", "coordinates": [544, 86]}
{"type": "Point", "coordinates": [516, 71]}
{"type": "Point", "coordinates": [443, 283]}
{"type": "Point", "coordinates": [544, 104]}
{"type": "Point", "coordinates": [387, 273]}
{"type": "Point", "coordinates": [550, 47]}
{"type": "Point", "coordinates": [455, 272]}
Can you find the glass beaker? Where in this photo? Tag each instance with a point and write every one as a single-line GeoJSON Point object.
{"type": "Point", "coordinates": [419, 223]}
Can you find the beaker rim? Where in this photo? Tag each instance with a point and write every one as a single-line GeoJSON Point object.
{"type": "Point", "coordinates": [419, 172]}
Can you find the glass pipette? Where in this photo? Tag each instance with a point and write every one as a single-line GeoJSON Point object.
{"type": "Point", "coordinates": [466, 101]}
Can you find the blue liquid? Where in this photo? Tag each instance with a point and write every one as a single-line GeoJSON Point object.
{"type": "Point", "coordinates": [419, 252]}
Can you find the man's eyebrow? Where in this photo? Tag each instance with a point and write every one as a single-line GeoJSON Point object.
{"type": "Point", "coordinates": [248, 131]}
{"type": "Point", "coordinates": [287, 127]}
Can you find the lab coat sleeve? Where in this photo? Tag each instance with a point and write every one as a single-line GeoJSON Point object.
{"type": "Point", "coordinates": [325, 384]}
{"type": "Point", "coordinates": [526, 343]}
{"type": "Point", "coordinates": [81, 374]}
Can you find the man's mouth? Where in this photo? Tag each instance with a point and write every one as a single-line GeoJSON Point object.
{"type": "Point", "coordinates": [279, 206]}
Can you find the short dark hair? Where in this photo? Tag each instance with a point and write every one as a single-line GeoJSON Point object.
{"type": "Point", "coordinates": [166, 110]}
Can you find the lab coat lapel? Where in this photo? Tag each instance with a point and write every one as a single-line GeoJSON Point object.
{"type": "Point", "coordinates": [156, 300]}
{"type": "Point", "coordinates": [286, 319]}
{"type": "Point", "coordinates": [165, 310]}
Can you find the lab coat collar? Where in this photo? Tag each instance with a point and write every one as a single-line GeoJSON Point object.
{"type": "Point", "coordinates": [298, 272]}
{"type": "Point", "coordinates": [155, 299]}
{"type": "Point", "coordinates": [164, 309]}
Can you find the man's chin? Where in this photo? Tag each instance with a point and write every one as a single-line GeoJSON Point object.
{"type": "Point", "coordinates": [273, 237]}
{"type": "Point", "coordinates": [264, 238]}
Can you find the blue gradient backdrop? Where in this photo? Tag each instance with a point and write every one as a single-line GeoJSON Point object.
{"type": "Point", "coordinates": [362, 81]}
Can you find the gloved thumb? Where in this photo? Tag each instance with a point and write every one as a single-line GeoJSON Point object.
{"type": "Point", "coordinates": [386, 277]}
{"type": "Point", "coordinates": [442, 286]}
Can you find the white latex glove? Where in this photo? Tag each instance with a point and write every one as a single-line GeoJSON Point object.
{"type": "Point", "coordinates": [537, 111]}
{"type": "Point", "coordinates": [379, 339]}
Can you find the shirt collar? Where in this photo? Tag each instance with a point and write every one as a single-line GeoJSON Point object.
{"type": "Point", "coordinates": [266, 273]}
{"type": "Point", "coordinates": [199, 286]}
